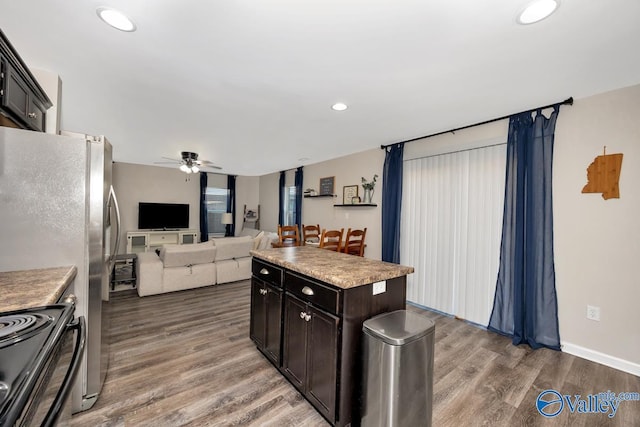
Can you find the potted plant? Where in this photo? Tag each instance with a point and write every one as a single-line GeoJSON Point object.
{"type": "Point", "coordinates": [368, 187]}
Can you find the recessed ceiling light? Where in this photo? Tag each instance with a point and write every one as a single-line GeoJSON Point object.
{"type": "Point", "coordinates": [116, 19]}
{"type": "Point", "coordinates": [339, 106]}
{"type": "Point", "coordinates": [537, 11]}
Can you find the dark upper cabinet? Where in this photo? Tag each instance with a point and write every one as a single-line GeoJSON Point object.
{"type": "Point", "coordinates": [23, 103]}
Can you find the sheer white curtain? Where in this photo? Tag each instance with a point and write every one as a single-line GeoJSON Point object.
{"type": "Point", "coordinates": [450, 230]}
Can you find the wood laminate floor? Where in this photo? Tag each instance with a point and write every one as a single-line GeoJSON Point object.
{"type": "Point", "coordinates": [185, 359]}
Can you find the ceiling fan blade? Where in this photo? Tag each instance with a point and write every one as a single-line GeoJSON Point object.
{"type": "Point", "coordinates": [189, 160]}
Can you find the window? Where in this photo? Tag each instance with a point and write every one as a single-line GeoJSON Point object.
{"type": "Point", "coordinates": [290, 205]}
{"type": "Point", "coordinates": [216, 199]}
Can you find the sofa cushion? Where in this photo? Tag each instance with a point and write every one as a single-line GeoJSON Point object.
{"type": "Point", "coordinates": [257, 240]}
{"type": "Point", "coordinates": [195, 276]}
{"type": "Point", "coordinates": [184, 255]}
{"type": "Point", "coordinates": [232, 270]}
{"type": "Point", "coordinates": [255, 234]}
{"type": "Point", "coordinates": [233, 247]}
{"type": "Point", "coordinates": [267, 239]}
{"type": "Point", "coordinates": [252, 232]}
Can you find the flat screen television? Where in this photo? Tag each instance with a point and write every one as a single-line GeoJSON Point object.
{"type": "Point", "coordinates": [161, 216]}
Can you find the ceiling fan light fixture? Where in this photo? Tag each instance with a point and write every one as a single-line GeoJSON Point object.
{"type": "Point", "coordinates": [116, 19]}
{"type": "Point", "coordinates": [189, 163]}
{"type": "Point", "coordinates": [536, 11]}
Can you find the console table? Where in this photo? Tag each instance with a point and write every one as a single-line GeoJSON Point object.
{"type": "Point", "coordinates": [148, 241]}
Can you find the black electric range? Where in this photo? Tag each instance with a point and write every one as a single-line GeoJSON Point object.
{"type": "Point", "coordinates": [40, 353]}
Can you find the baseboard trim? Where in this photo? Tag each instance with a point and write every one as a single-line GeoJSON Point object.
{"type": "Point", "coordinates": [603, 359]}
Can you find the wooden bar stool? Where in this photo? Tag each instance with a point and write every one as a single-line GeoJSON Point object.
{"type": "Point", "coordinates": [288, 235]}
{"type": "Point", "coordinates": [310, 233]}
{"type": "Point", "coordinates": [331, 239]}
{"type": "Point", "coordinates": [354, 242]}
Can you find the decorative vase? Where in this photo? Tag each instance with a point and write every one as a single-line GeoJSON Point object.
{"type": "Point", "coordinates": [368, 194]}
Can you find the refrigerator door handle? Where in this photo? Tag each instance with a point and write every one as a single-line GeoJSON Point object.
{"type": "Point", "coordinates": [113, 202]}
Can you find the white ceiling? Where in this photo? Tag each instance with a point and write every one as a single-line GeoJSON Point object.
{"type": "Point", "coordinates": [249, 84]}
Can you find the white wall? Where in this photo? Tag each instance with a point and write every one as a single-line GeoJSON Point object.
{"type": "Point", "coordinates": [597, 241]}
{"type": "Point", "coordinates": [268, 197]}
{"type": "Point", "coordinates": [52, 86]}
{"type": "Point", "coordinates": [347, 170]}
{"type": "Point", "coordinates": [247, 193]}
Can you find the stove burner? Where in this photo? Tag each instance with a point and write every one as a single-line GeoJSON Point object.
{"type": "Point", "coordinates": [17, 325]}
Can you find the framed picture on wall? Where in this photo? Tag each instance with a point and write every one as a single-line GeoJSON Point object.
{"type": "Point", "coordinates": [326, 186]}
{"type": "Point", "coordinates": [348, 193]}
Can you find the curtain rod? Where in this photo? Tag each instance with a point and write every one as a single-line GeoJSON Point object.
{"type": "Point", "coordinates": [568, 101]}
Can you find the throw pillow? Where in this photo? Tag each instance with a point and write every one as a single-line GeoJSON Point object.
{"type": "Point", "coordinates": [257, 239]}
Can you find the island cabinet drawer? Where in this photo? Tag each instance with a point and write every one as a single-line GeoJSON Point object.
{"type": "Point", "coordinates": [267, 272]}
{"type": "Point", "coordinates": [317, 294]}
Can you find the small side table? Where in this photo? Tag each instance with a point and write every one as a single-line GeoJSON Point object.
{"type": "Point", "coordinates": [123, 270]}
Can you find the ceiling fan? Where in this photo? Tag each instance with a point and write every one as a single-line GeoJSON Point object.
{"type": "Point", "coordinates": [190, 163]}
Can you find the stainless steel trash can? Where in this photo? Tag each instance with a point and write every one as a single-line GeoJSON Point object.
{"type": "Point", "coordinates": [397, 380]}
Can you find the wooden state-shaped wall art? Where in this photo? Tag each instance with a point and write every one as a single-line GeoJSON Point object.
{"type": "Point", "coordinates": [603, 175]}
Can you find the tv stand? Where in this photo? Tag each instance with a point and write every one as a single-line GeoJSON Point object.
{"type": "Point", "coordinates": [150, 240]}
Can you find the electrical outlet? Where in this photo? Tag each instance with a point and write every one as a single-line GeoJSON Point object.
{"type": "Point", "coordinates": [379, 287]}
{"type": "Point", "coordinates": [593, 313]}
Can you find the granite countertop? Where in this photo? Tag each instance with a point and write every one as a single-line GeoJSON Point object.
{"type": "Point", "coordinates": [34, 288]}
{"type": "Point", "coordinates": [338, 269]}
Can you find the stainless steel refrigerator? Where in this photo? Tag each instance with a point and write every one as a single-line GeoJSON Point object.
{"type": "Point", "coordinates": [58, 208]}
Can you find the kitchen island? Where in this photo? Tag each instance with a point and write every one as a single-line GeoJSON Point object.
{"type": "Point", "coordinates": [34, 288]}
{"type": "Point", "coordinates": [307, 309]}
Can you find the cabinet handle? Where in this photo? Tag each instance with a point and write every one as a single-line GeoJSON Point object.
{"type": "Point", "coordinates": [264, 271]}
{"type": "Point", "coordinates": [32, 115]}
{"type": "Point", "coordinates": [304, 316]}
{"type": "Point", "coordinates": [307, 291]}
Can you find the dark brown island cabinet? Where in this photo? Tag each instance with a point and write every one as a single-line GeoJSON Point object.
{"type": "Point", "coordinates": [23, 102]}
{"type": "Point", "coordinates": [308, 322]}
{"type": "Point", "coordinates": [266, 309]}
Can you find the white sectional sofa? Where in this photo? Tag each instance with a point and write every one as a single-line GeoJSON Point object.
{"type": "Point", "coordinates": [179, 267]}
